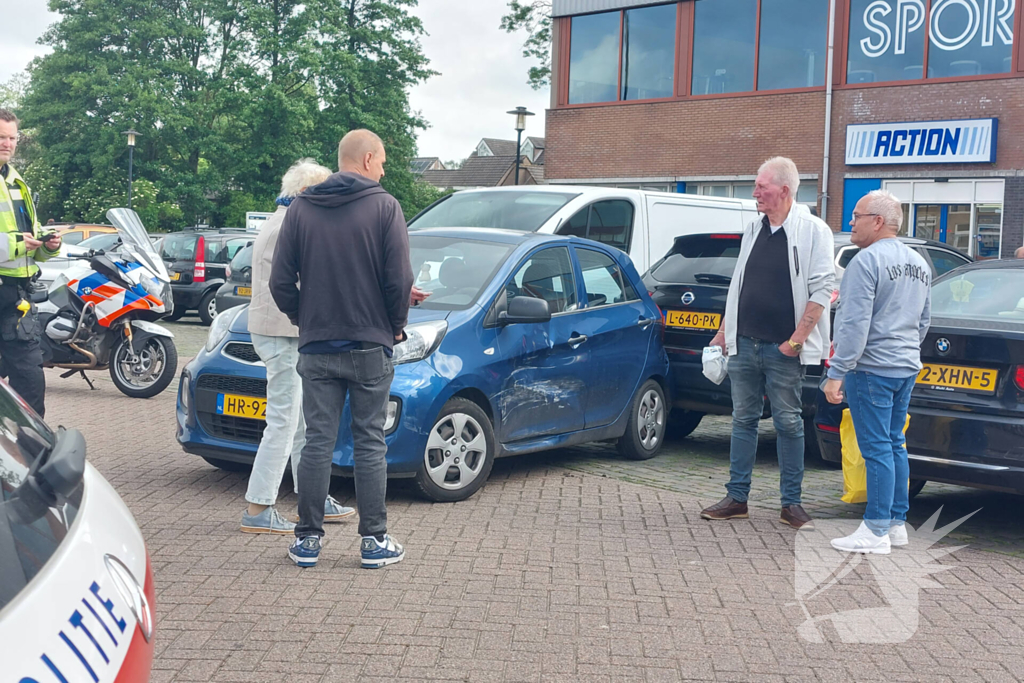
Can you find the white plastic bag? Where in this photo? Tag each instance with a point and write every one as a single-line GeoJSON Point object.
{"type": "Point", "coordinates": [715, 364]}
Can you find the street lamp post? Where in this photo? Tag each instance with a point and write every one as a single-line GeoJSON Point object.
{"type": "Point", "coordinates": [520, 113]}
{"type": "Point", "coordinates": [131, 133]}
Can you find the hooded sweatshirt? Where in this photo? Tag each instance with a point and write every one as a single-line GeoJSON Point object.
{"type": "Point", "coordinates": [346, 240]}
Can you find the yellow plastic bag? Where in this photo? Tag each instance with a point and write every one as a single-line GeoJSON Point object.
{"type": "Point", "coordinates": [855, 477]}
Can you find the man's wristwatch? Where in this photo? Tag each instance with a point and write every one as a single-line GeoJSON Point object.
{"type": "Point", "coordinates": [796, 346]}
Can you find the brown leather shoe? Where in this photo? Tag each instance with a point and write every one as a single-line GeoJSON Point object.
{"type": "Point", "coordinates": [796, 517]}
{"type": "Point", "coordinates": [727, 508]}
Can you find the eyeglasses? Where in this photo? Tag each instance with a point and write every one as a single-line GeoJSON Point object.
{"type": "Point", "coordinates": [858, 216]}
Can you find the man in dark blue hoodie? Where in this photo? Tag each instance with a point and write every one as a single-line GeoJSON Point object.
{"type": "Point", "coordinates": [347, 242]}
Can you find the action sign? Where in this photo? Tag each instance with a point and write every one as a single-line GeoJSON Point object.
{"type": "Point", "coordinates": [922, 142]}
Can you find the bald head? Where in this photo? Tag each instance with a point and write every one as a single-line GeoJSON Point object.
{"type": "Point", "coordinates": [1020, 252]}
{"type": "Point", "coordinates": [362, 151]}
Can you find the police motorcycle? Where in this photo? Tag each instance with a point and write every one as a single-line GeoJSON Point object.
{"type": "Point", "coordinates": [100, 314]}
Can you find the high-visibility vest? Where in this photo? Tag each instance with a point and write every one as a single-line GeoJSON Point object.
{"type": "Point", "coordinates": [13, 261]}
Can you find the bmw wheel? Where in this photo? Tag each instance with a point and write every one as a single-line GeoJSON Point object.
{"type": "Point", "coordinates": [459, 453]}
{"type": "Point", "coordinates": [645, 431]}
{"type": "Point", "coordinates": [146, 373]}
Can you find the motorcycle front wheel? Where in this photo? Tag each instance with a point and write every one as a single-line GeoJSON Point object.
{"type": "Point", "coordinates": [147, 373]}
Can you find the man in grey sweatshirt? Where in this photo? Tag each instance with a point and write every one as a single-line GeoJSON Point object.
{"type": "Point", "coordinates": [883, 316]}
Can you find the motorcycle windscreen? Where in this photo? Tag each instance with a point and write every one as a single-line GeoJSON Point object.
{"type": "Point", "coordinates": [136, 240]}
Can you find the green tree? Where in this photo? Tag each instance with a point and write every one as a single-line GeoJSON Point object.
{"type": "Point", "coordinates": [13, 90]}
{"type": "Point", "coordinates": [534, 17]}
{"type": "Point", "coordinates": [226, 93]}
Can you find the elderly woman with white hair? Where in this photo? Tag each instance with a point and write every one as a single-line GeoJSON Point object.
{"type": "Point", "coordinates": [276, 341]}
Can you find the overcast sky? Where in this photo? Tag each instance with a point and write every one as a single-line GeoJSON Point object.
{"type": "Point", "coordinates": [483, 74]}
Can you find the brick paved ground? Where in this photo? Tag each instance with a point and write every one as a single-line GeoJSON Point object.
{"type": "Point", "coordinates": [570, 566]}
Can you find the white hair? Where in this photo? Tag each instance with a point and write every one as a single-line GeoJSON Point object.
{"type": "Point", "coordinates": [886, 205]}
{"type": "Point", "coordinates": [784, 172]}
{"type": "Point", "coordinates": [302, 174]}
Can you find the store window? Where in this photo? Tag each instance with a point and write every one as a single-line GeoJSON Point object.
{"type": "Point", "coordinates": [724, 32]}
{"type": "Point", "coordinates": [648, 52]}
{"type": "Point", "coordinates": [594, 58]}
{"type": "Point", "coordinates": [988, 220]}
{"type": "Point", "coordinates": [964, 38]}
{"type": "Point", "coordinates": [792, 44]}
{"type": "Point", "coordinates": [807, 193]}
{"type": "Point", "coordinates": [968, 40]}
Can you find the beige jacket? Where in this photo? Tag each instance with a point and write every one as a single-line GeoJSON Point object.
{"type": "Point", "coordinates": [264, 316]}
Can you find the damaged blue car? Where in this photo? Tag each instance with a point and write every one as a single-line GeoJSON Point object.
{"type": "Point", "coordinates": [527, 342]}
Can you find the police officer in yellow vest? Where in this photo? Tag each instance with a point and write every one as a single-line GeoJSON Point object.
{"type": "Point", "coordinates": [21, 358]}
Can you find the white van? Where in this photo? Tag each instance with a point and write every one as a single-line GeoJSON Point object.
{"type": "Point", "coordinates": [641, 223]}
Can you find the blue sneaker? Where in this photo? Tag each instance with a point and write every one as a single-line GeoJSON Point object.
{"type": "Point", "coordinates": [305, 551]}
{"type": "Point", "coordinates": [377, 554]}
{"type": "Point", "coordinates": [267, 522]}
{"type": "Point", "coordinates": [335, 512]}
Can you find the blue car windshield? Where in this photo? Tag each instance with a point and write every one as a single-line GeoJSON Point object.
{"type": "Point", "coordinates": [983, 294]}
{"type": "Point", "coordinates": [522, 210]}
{"type": "Point", "coordinates": [453, 269]}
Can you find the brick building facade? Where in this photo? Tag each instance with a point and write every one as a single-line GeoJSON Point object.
{"type": "Point", "coordinates": [709, 133]}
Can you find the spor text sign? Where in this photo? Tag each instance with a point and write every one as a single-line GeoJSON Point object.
{"type": "Point", "coordinates": [922, 142]}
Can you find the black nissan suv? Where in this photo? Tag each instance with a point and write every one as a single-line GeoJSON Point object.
{"type": "Point", "coordinates": [197, 260]}
{"type": "Point", "coordinates": [690, 285]}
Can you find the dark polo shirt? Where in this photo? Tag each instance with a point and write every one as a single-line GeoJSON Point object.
{"type": "Point", "coordinates": [766, 299]}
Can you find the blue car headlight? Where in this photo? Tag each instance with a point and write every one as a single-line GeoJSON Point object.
{"type": "Point", "coordinates": [220, 327]}
{"type": "Point", "coordinates": [423, 339]}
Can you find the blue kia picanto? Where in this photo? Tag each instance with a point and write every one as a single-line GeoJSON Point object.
{"type": "Point", "coordinates": [527, 342]}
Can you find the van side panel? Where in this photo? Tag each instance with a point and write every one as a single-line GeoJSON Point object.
{"type": "Point", "coordinates": [668, 219]}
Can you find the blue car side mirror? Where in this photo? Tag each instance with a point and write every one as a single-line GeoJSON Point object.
{"type": "Point", "coordinates": [524, 309]}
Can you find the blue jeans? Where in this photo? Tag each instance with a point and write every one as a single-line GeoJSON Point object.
{"type": "Point", "coordinates": [878, 406]}
{"type": "Point", "coordinates": [286, 431]}
{"type": "Point", "coordinates": [759, 367]}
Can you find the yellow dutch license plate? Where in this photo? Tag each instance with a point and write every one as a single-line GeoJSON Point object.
{"type": "Point", "coordinates": [951, 377]}
{"type": "Point", "coordinates": [243, 291]}
{"type": "Point", "coordinates": [693, 320]}
{"type": "Point", "coordinates": [251, 407]}
{"type": "Point", "coordinates": [175, 276]}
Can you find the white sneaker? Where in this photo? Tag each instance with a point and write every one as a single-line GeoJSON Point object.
{"type": "Point", "coordinates": [898, 535]}
{"type": "Point", "coordinates": [863, 540]}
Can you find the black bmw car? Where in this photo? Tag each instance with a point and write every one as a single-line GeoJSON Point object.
{"type": "Point", "coordinates": [967, 410]}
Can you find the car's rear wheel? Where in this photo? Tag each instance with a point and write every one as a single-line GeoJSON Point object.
{"type": "Point", "coordinates": [208, 307]}
{"type": "Point", "coordinates": [459, 453]}
{"type": "Point", "coordinates": [645, 431]}
{"type": "Point", "coordinates": [916, 485]}
{"type": "Point", "coordinates": [681, 423]}
{"type": "Point", "coordinates": [176, 315]}
{"type": "Point", "coordinates": [228, 465]}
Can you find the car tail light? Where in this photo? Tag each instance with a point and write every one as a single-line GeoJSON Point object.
{"type": "Point", "coordinates": [227, 272]}
{"type": "Point", "coordinates": [831, 352]}
{"type": "Point", "coordinates": [828, 428]}
{"type": "Point", "coordinates": [734, 236]}
{"type": "Point", "coordinates": [835, 296]}
{"type": "Point", "coordinates": [1018, 377]}
{"type": "Point", "coordinates": [199, 275]}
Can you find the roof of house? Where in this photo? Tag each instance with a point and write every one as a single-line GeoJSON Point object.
{"type": "Point", "coordinates": [475, 172]}
{"type": "Point", "coordinates": [537, 172]}
{"type": "Point", "coordinates": [538, 143]}
{"type": "Point", "coordinates": [539, 161]}
{"type": "Point", "coordinates": [501, 148]}
{"type": "Point", "coordinates": [420, 164]}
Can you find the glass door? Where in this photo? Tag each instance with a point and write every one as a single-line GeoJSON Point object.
{"type": "Point", "coordinates": [928, 222]}
{"type": "Point", "coordinates": [988, 221]}
{"type": "Point", "coordinates": [947, 223]}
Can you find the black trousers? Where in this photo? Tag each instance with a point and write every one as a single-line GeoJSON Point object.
{"type": "Point", "coordinates": [21, 357]}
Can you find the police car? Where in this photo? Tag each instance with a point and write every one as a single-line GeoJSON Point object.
{"type": "Point", "coordinates": [76, 586]}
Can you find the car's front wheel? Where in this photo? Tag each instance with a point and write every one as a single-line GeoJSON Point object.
{"type": "Point", "coordinates": [459, 453]}
{"type": "Point", "coordinates": [916, 485]}
{"type": "Point", "coordinates": [645, 431]}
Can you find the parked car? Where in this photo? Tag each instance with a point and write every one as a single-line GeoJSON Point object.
{"type": "Point", "coordinates": [75, 233]}
{"type": "Point", "coordinates": [76, 585]}
{"type": "Point", "coordinates": [690, 284]}
{"type": "Point", "coordinates": [197, 261]}
{"type": "Point", "coordinates": [967, 408]}
{"type": "Point", "coordinates": [50, 269]}
{"type": "Point", "coordinates": [641, 223]}
{"type": "Point", "coordinates": [527, 342]}
{"type": "Point", "coordinates": [238, 288]}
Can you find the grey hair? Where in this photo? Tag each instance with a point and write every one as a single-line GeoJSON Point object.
{"type": "Point", "coordinates": [302, 174]}
{"type": "Point", "coordinates": [784, 172]}
{"type": "Point", "coordinates": [886, 205]}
